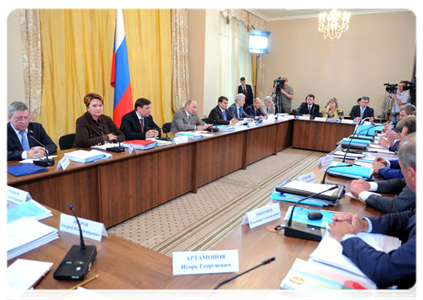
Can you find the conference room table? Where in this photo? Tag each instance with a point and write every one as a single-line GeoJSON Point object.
{"type": "Point", "coordinates": [114, 190]}
{"type": "Point", "coordinates": [263, 242]}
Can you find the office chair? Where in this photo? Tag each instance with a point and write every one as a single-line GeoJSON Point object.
{"type": "Point", "coordinates": [166, 127]}
{"type": "Point", "coordinates": [209, 121]}
{"type": "Point", "coordinates": [66, 141]}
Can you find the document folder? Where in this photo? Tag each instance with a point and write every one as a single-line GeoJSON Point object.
{"type": "Point", "coordinates": [308, 189]}
{"type": "Point", "coordinates": [25, 169]}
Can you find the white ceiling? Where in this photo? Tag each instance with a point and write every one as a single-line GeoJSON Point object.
{"type": "Point", "coordinates": [285, 14]}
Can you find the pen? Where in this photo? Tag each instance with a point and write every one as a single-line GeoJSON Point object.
{"type": "Point", "coordinates": [84, 282]}
{"type": "Point", "coordinates": [38, 282]}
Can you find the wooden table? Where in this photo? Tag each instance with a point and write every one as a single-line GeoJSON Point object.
{"type": "Point", "coordinates": [258, 244]}
{"type": "Point", "coordinates": [114, 190]}
{"type": "Point", "coordinates": [318, 135]}
{"type": "Point", "coordinates": [120, 263]}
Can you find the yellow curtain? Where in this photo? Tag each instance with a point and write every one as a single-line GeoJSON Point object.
{"type": "Point", "coordinates": [77, 47]}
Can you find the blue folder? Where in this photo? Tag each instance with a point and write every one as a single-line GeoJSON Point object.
{"type": "Point", "coordinates": [361, 129]}
{"type": "Point", "coordinates": [353, 172]}
{"type": "Point", "coordinates": [357, 141]}
{"type": "Point", "coordinates": [25, 169]}
{"type": "Point", "coordinates": [301, 215]}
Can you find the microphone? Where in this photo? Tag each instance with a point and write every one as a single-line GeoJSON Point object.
{"type": "Point", "coordinates": [351, 138]}
{"type": "Point", "coordinates": [45, 162]}
{"type": "Point", "coordinates": [77, 262]}
{"type": "Point", "coordinates": [117, 149]}
{"type": "Point", "coordinates": [267, 261]}
{"type": "Point", "coordinates": [330, 167]}
{"type": "Point", "coordinates": [302, 230]}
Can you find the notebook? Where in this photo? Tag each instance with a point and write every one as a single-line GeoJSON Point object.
{"type": "Point", "coordinates": [25, 169]}
{"type": "Point", "coordinates": [317, 281]}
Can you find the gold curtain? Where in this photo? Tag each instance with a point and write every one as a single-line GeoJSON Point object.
{"type": "Point", "coordinates": [77, 50]}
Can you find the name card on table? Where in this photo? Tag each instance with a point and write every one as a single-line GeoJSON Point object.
{"type": "Point", "coordinates": [262, 215]}
{"type": "Point", "coordinates": [320, 119]}
{"type": "Point", "coordinates": [17, 196]}
{"type": "Point", "coordinates": [90, 229]}
{"type": "Point", "coordinates": [205, 262]}
{"type": "Point", "coordinates": [325, 161]}
{"type": "Point", "coordinates": [251, 124]}
{"type": "Point", "coordinates": [63, 163]}
{"type": "Point", "coordinates": [347, 121]}
{"type": "Point", "coordinates": [303, 117]}
{"type": "Point", "coordinates": [180, 139]}
{"type": "Point", "coordinates": [310, 177]}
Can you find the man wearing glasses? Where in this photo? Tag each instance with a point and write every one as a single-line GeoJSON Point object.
{"type": "Point", "coordinates": [22, 135]}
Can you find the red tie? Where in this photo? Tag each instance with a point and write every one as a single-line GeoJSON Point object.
{"type": "Point", "coordinates": [142, 125]}
{"type": "Point", "coordinates": [243, 89]}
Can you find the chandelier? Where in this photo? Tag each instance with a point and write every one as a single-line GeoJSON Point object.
{"type": "Point", "coordinates": [332, 25]}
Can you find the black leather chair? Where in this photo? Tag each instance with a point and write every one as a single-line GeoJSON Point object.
{"type": "Point", "coordinates": [209, 121]}
{"type": "Point", "coordinates": [166, 127]}
{"type": "Point", "coordinates": [66, 141]}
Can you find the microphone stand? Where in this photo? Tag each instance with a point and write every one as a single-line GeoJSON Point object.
{"type": "Point", "coordinates": [44, 162]}
{"type": "Point", "coordinates": [302, 230]}
{"type": "Point", "coordinates": [330, 167]}
{"type": "Point", "coordinates": [232, 278]}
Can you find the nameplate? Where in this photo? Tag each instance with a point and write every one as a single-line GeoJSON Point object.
{"type": "Point", "coordinates": [17, 196]}
{"type": "Point", "coordinates": [90, 229]}
{"type": "Point", "coordinates": [348, 121]}
{"type": "Point", "coordinates": [251, 125]}
{"type": "Point", "coordinates": [325, 161]}
{"type": "Point", "coordinates": [304, 118]}
{"type": "Point", "coordinates": [63, 163]}
{"type": "Point", "coordinates": [131, 150]}
{"type": "Point", "coordinates": [262, 215]}
{"type": "Point", "coordinates": [205, 262]}
{"type": "Point", "coordinates": [180, 139]}
{"type": "Point", "coordinates": [320, 119]}
{"type": "Point", "coordinates": [310, 177]}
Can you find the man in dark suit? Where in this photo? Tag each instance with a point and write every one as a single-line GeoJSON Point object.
{"type": "Point", "coordinates": [237, 110]}
{"type": "Point", "coordinates": [138, 124]}
{"type": "Point", "coordinates": [255, 109]}
{"type": "Point", "coordinates": [21, 135]}
{"type": "Point", "coordinates": [362, 111]}
{"type": "Point", "coordinates": [398, 267]}
{"type": "Point", "coordinates": [247, 90]}
{"type": "Point", "coordinates": [221, 114]}
{"type": "Point", "coordinates": [309, 108]}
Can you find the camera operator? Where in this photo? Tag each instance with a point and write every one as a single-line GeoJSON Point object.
{"type": "Point", "coordinates": [402, 97]}
{"type": "Point", "coordinates": [282, 95]}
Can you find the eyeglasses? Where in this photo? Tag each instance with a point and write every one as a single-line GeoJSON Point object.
{"type": "Point", "coordinates": [21, 118]}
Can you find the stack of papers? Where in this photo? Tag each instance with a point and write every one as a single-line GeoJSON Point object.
{"type": "Point", "coordinates": [27, 234]}
{"type": "Point", "coordinates": [84, 156]}
{"type": "Point", "coordinates": [349, 155]}
{"type": "Point", "coordinates": [225, 128]}
{"type": "Point", "coordinates": [329, 250]}
{"type": "Point", "coordinates": [24, 274]}
{"type": "Point", "coordinates": [29, 209]}
{"type": "Point", "coordinates": [355, 141]}
{"type": "Point", "coordinates": [140, 144]}
{"type": "Point", "coordinates": [294, 198]}
{"type": "Point", "coordinates": [190, 134]}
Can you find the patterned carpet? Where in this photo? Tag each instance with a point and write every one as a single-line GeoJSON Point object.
{"type": "Point", "coordinates": [195, 222]}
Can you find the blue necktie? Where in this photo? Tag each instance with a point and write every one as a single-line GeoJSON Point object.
{"type": "Point", "coordinates": [224, 115]}
{"type": "Point", "coordinates": [239, 113]}
{"type": "Point", "coordinates": [25, 145]}
{"type": "Point", "coordinates": [309, 110]}
{"type": "Point", "coordinates": [362, 112]}
{"type": "Point", "coordinates": [267, 109]}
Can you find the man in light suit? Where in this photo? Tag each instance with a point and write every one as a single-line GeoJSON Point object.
{"type": "Point", "coordinates": [309, 108]}
{"type": "Point", "coordinates": [247, 90]}
{"type": "Point", "coordinates": [268, 108]}
{"type": "Point", "coordinates": [237, 110]}
{"type": "Point", "coordinates": [362, 111]}
{"type": "Point", "coordinates": [20, 145]}
{"type": "Point", "coordinates": [221, 114]}
{"type": "Point", "coordinates": [398, 267]}
{"type": "Point", "coordinates": [138, 124]}
{"type": "Point", "coordinates": [186, 119]}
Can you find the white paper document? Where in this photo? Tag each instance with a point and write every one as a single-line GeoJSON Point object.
{"type": "Point", "coordinates": [25, 274]}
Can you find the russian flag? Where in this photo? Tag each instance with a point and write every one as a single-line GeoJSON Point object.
{"type": "Point", "coordinates": [120, 73]}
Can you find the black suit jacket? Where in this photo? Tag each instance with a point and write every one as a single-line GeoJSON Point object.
{"type": "Point", "coordinates": [405, 198]}
{"type": "Point", "coordinates": [249, 97]}
{"type": "Point", "coordinates": [217, 115]}
{"type": "Point", "coordinates": [356, 112]}
{"type": "Point", "coordinates": [131, 127]}
{"type": "Point", "coordinates": [14, 146]}
{"type": "Point", "coordinates": [303, 109]}
{"type": "Point", "coordinates": [254, 112]}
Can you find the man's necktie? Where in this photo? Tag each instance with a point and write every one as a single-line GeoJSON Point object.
{"type": "Point", "coordinates": [267, 109]}
{"type": "Point", "coordinates": [362, 112]}
{"type": "Point", "coordinates": [239, 113]}
{"type": "Point", "coordinates": [25, 145]}
{"type": "Point", "coordinates": [244, 90]}
{"type": "Point", "coordinates": [309, 110]}
{"type": "Point", "coordinates": [142, 125]}
{"type": "Point", "coordinates": [224, 115]}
